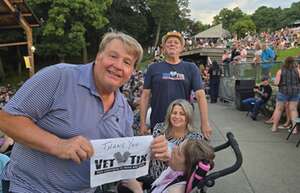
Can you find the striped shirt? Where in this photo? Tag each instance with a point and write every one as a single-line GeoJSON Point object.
{"type": "Point", "coordinates": [63, 100]}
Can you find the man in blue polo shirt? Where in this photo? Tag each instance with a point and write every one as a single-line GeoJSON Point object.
{"type": "Point", "coordinates": [56, 113]}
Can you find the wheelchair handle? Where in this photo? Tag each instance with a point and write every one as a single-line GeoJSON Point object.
{"type": "Point", "coordinates": [210, 179]}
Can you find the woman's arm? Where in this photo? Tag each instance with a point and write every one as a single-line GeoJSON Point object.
{"type": "Point", "coordinates": [277, 77]}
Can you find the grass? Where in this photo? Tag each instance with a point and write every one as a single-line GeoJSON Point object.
{"type": "Point", "coordinates": [282, 54]}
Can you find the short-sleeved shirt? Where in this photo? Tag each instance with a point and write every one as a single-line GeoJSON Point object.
{"type": "Point", "coordinates": [265, 89]}
{"type": "Point", "coordinates": [267, 56]}
{"type": "Point", "coordinates": [157, 166]}
{"type": "Point", "coordinates": [62, 99]}
{"type": "Point", "coordinates": [169, 82]}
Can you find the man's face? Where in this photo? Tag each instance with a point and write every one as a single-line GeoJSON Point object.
{"type": "Point", "coordinates": [172, 46]}
{"type": "Point", "coordinates": [113, 67]}
{"type": "Point", "coordinates": [265, 82]}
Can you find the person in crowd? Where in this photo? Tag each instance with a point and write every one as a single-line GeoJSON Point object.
{"type": "Point", "coordinates": [267, 58]}
{"type": "Point", "coordinates": [177, 127]}
{"type": "Point", "coordinates": [170, 80]}
{"type": "Point", "coordinates": [190, 161]}
{"type": "Point", "coordinates": [288, 80]}
{"type": "Point", "coordinates": [235, 51]}
{"type": "Point", "coordinates": [214, 81]}
{"type": "Point", "coordinates": [56, 113]}
{"type": "Point", "coordinates": [257, 59]}
{"type": "Point", "coordinates": [243, 53]}
{"type": "Point", "coordinates": [4, 159]}
{"type": "Point", "coordinates": [225, 63]}
{"type": "Point", "coordinates": [262, 94]}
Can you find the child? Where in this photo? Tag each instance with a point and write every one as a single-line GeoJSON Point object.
{"type": "Point", "coordinates": [188, 160]}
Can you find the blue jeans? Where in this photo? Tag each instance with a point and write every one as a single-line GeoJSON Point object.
{"type": "Point", "coordinates": [255, 103]}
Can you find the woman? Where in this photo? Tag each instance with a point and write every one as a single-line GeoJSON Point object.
{"type": "Point", "coordinates": [177, 127]}
{"type": "Point", "coordinates": [288, 81]}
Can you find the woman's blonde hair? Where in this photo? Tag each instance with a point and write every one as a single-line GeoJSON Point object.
{"type": "Point", "coordinates": [187, 108]}
{"type": "Point", "coordinates": [131, 45]}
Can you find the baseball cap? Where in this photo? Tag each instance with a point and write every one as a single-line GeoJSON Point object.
{"type": "Point", "coordinates": [265, 78]}
{"type": "Point", "coordinates": [173, 34]}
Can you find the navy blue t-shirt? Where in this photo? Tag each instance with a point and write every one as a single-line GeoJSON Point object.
{"type": "Point", "coordinates": [169, 82]}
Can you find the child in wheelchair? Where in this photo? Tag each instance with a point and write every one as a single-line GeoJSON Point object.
{"type": "Point", "coordinates": [188, 165]}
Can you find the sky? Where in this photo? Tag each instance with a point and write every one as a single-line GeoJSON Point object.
{"type": "Point", "coordinates": [205, 10]}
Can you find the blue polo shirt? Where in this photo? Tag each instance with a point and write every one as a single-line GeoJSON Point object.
{"type": "Point", "coordinates": [63, 100]}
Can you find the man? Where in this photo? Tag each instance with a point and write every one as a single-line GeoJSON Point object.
{"type": "Point", "coordinates": [263, 93]}
{"type": "Point", "coordinates": [56, 112]}
{"type": "Point", "coordinates": [169, 80]}
{"type": "Point", "coordinates": [214, 81]}
{"type": "Point", "coordinates": [267, 58]}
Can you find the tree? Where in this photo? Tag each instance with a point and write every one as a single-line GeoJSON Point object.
{"type": "Point", "coordinates": [194, 27]}
{"type": "Point", "coordinates": [267, 18]}
{"type": "Point", "coordinates": [243, 26]}
{"type": "Point", "coordinates": [228, 17]}
{"type": "Point", "coordinates": [136, 19]}
{"type": "Point", "coordinates": [163, 12]}
{"type": "Point", "coordinates": [66, 22]}
{"type": "Point", "coordinates": [290, 15]}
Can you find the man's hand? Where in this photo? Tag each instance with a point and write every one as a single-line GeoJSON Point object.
{"type": "Point", "coordinates": [206, 131]}
{"type": "Point", "coordinates": [76, 148]}
{"type": "Point", "coordinates": [144, 130]}
{"type": "Point", "coordinates": [159, 148]}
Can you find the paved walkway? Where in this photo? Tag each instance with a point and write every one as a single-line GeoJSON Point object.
{"type": "Point", "coordinates": [271, 163]}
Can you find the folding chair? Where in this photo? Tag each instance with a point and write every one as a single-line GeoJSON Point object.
{"type": "Point", "coordinates": [297, 124]}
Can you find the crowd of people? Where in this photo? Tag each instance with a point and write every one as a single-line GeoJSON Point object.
{"type": "Point", "coordinates": [281, 39]}
{"type": "Point", "coordinates": [55, 114]}
{"type": "Point", "coordinates": [6, 92]}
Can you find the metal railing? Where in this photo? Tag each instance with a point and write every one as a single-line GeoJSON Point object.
{"type": "Point", "coordinates": [249, 70]}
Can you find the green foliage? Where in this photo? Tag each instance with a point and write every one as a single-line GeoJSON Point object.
{"type": "Point", "coordinates": [168, 15]}
{"type": "Point", "coordinates": [243, 26]}
{"type": "Point", "coordinates": [136, 19]}
{"type": "Point", "coordinates": [66, 23]}
{"type": "Point", "coordinates": [267, 18]}
{"type": "Point", "coordinates": [194, 27]}
{"type": "Point", "coordinates": [282, 54]}
{"type": "Point", "coordinates": [270, 19]}
{"type": "Point", "coordinates": [228, 17]}
{"type": "Point", "coordinates": [290, 15]}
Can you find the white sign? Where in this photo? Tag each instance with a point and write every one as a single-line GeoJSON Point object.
{"type": "Point", "coordinates": [119, 158]}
